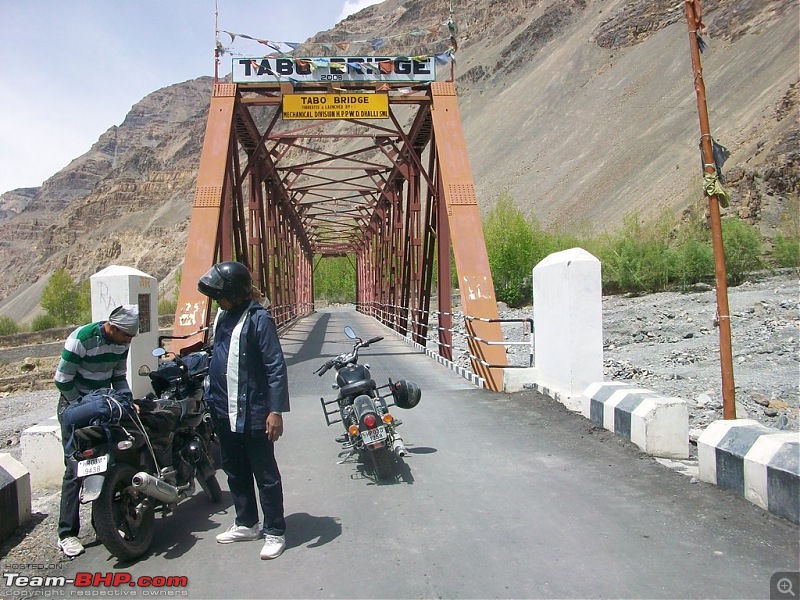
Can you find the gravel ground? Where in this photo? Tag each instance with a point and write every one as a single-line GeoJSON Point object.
{"type": "Point", "coordinates": [665, 342]}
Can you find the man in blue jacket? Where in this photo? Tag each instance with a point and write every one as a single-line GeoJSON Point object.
{"type": "Point", "coordinates": [247, 392]}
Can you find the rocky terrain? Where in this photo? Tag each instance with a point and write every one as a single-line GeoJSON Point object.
{"type": "Point", "coordinates": [665, 342]}
{"type": "Point", "coordinates": [581, 110]}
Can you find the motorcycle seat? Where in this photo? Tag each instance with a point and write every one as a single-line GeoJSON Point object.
{"type": "Point", "coordinates": [357, 388]}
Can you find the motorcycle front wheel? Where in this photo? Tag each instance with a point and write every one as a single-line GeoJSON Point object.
{"type": "Point", "coordinates": [210, 486]}
{"type": "Point", "coordinates": [382, 461]}
{"type": "Point", "coordinates": [123, 520]}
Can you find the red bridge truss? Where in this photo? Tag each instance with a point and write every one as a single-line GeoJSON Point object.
{"type": "Point", "coordinates": [396, 194]}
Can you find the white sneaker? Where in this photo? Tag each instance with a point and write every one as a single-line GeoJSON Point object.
{"type": "Point", "coordinates": [273, 546]}
{"type": "Point", "coordinates": [71, 546]}
{"type": "Point", "coordinates": [239, 533]}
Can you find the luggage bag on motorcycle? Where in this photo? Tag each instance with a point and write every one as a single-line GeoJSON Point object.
{"type": "Point", "coordinates": [95, 408]}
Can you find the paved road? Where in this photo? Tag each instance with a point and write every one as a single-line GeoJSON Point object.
{"type": "Point", "coordinates": [502, 496]}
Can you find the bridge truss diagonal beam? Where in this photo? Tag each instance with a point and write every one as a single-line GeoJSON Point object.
{"type": "Point", "coordinates": [395, 195]}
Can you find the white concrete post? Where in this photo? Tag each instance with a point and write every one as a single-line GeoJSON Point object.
{"type": "Point", "coordinates": [568, 323]}
{"type": "Point", "coordinates": [116, 285]}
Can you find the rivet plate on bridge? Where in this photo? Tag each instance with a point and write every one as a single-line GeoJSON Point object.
{"type": "Point", "coordinates": [209, 195]}
{"type": "Point", "coordinates": [224, 90]}
{"type": "Point", "coordinates": [443, 88]}
{"type": "Point", "coordinates": [461, 194]}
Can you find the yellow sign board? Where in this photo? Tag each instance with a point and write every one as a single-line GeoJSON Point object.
{"type": "Point", "coordinates": [336, 106]}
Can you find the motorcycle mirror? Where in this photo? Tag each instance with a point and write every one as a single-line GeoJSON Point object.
{"type": "Point", "coordinates": [159, 352]}
{"type": "Point", "coordinates": [144, 370]}
{"type": "Point", "coordinates": [348, 331]}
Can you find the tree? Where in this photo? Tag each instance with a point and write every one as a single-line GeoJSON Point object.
{"type": "Point", "coordinates": [61, 298]}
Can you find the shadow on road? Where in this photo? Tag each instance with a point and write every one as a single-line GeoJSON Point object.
{"type": "Point", "coordinates": [302, 528]}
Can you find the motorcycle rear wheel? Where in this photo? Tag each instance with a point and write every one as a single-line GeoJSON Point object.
{"type": "Point", "coordinates": [382, 461]}
{"type": "Point", "coordinates": [123, 518]}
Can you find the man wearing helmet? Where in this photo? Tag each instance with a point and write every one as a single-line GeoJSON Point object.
{"type": "Point", "coordinates": [247, 391]}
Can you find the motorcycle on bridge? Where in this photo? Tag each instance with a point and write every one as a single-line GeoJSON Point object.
{"type": "Point", "coordinates": [370, 429]}
{"type": "Point", "coordinates": [143, 456]}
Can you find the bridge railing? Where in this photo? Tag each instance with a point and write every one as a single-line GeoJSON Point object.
{"type": "Point", "coordinates": [406, 321]}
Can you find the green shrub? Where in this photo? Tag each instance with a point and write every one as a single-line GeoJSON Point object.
{"type": "Point", "coordinates": [637, 259]}
{"type": "Point", "coordinates": [8, 326]}
{"type": "Point", "coordinates": [45, 321]}
{"type": "Point", "coordinates": [786, 251]}
{"type": "Point", "coordinates": [167, 306]}
{"type": "Point", "coordinates": [743, 247]}
{"type": "Point", "coordinates": [694, 260]}
{"type": "Point", "coordinates": [335, 280]}
{"type": "Point", "coordinates": [513, 248]}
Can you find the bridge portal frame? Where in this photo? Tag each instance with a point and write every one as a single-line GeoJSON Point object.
{"type": "Point", "coordinates": [397, 198]}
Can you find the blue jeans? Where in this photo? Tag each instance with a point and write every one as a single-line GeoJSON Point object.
{"type": "Point", "coordinates": [249, 458]}
{"type": "Point", "coordinates": [69, 523]}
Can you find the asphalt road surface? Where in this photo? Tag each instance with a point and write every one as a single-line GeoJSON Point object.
{"type": "Point", "coordinates": [502, 496]}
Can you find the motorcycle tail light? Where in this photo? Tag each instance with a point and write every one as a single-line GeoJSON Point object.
{"type": "Point", "coordinates": [387, 418]}
{"type": "Point", "coordinates": [353, 430]}
{"type": "Point", "coordinates": [88, 453]}
{"type": "Point", "coordinates": [370, 421]}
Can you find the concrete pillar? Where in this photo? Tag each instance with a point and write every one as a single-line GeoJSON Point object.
{"type": "Point", "coordinates": [568, 323]}
{"type": "Point", "coordinates": [15, 495]}
{"type": "Point", "coordinates": [116, 285]}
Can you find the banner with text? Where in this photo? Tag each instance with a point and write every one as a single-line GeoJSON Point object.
{"type": "Point", "coordinates": [341, 69]}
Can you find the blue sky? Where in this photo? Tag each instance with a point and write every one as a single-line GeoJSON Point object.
{"type": "Point", "coordinates": [73, 68]}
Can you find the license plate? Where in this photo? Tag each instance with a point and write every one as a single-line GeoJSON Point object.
{"type": "Point", "coordinates": [370, 436]}
{"type": "Point", "coordinates": [93, 466]}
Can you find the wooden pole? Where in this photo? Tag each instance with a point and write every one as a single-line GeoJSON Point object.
{"type": "Point", "coordinates": [694, 19]}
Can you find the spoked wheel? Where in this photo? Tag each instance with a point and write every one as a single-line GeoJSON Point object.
{"type": "Point", "coordinates": [382, 461]}
{"type": "Point", "coordinates": [124, 518]}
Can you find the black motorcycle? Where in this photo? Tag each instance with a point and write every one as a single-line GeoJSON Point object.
{"type": "Point", "coordinates": [147, 460]}
{"type": "Point", "coordinates": [370, 429]}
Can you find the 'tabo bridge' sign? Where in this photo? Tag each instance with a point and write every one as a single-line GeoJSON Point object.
{"type": "Point", "coordinates": [334, 69]}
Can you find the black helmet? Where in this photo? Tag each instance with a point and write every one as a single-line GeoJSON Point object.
{"type": "Point", "coordinates": [406, 393]}
{"type": "Point", "coordinates": [229, 279]}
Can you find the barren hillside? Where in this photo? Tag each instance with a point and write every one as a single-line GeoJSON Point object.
{"type": "Point", "coordinates": [581, 110]}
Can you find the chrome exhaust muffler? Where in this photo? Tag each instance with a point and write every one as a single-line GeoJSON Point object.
{"type": "Point", "coordinates": [398, 447]}
{"type": "Point", "coordinates": [155, 487]}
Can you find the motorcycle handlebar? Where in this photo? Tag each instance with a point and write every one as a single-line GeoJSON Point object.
{"type": "Point", "coordinates": [323, 369]}
{"type": "Point", "coordinates": [373, 340]}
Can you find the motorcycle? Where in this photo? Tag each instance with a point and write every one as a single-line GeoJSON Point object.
{"type": "Point", "coordinates": [370, 429]}
{"type": "Point", "coordinates": [147, 460]}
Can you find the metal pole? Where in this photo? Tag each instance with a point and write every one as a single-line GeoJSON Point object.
{"type": "Point", "coordinates": [694, 19]}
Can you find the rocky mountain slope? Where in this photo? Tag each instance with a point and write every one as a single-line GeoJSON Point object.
{"type": "Point", "coordinates": [581, 110]}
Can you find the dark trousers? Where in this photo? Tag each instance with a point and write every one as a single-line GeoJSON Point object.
{"type": "Point", "coordinates": [69, 514]}
{"type": "Point", "coordinates": [249, 457]}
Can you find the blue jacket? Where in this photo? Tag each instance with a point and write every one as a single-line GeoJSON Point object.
{"type": "Point", "coordinates": [247, 375]}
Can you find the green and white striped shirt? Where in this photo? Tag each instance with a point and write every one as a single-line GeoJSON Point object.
{"type": "Point", "coordinates": [90, 361]}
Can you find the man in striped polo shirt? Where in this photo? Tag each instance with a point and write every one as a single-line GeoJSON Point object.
{"type": "Point", "coordinates": [95, 356]}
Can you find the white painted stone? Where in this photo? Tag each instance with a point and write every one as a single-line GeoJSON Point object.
{"type": "Point", "coordinates": [42, 453]}
{"type": "Point", "coordinates": [568, 321]}
{"type": "Point", "coordinates": [708, 442]}
{"type": "Point", "coordinates": [660, 427]}
{"type": "Point", "coordinates": [116, 285]}
{"type": "Point", "coordinates": [591, 391]}
{"type": "Point", "coordinates": [755, 465]}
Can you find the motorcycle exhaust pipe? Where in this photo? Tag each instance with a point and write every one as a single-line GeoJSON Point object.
{"type": "Point", "coordinates": [398, 447]}
{"type": "Point", "coordinates": [155, 488]}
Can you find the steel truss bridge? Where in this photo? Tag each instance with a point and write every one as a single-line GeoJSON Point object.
{"type": "Point", "coordinates": [396, 195]}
